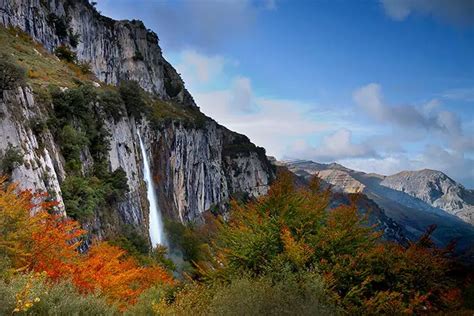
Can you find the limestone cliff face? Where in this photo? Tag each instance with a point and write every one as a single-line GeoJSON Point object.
{"type": "Point", "coordinates": [42, 168]}
{"type": "Point", "coordinates": [196, 168]}
{"type": "Point", "coordinates": [115, 50]}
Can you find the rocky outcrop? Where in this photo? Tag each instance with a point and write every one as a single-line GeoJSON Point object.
{"type": "Point", "coordinates": [196, 167]}
{"type": "Point", "coordinates": [436, 189]}
{"type": "Point", "coordinates": [115, 50]}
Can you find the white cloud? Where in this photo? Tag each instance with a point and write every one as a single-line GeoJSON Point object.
{"type": "Point", "coordinates": [272, 123]}
{"type": "Point", "coordinates": [199, 68]}
{"type": "Point", "coordinates": [242, 95]}
{"type": "Point", "coordinates": [454, 11]}
{"type": "Point", "coordinates": [428, 116]}
{"type": "Point", "coordinates": [338, 145]}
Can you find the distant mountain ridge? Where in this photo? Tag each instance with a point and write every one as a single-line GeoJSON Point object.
{"type": "Point", "coordinates": [436, 189]}
{"type": "Point", "coordinates": [414, 199]}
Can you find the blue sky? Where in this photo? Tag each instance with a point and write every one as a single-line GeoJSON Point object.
{"type": "Point", "coordinates": [379, 86]}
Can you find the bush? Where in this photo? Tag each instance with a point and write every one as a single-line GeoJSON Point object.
{"type": "Point", "coordinates": [82, 196]}
{"type": "Point", "coordinates": [74, 39]}
{"type": "Point", "coordinates": [112, 103]}
{"type": "Point", "coordinates": [185, 239]}
{"type": "Point", "coordinates": [11, 74]}
{"type": "Point", "coordinates": [72, 142]}
{"type": "Point", "coordinates": [11, 158]}
{"type": "Point", "coordinates": [65, 53]}
{"type": "Point", "coordinates": [31, 294]}
{"type": "Point", "coordinates": [246, 296]}
{"type": "Point", "coordinates": [131, 94]}
{"type": "Point", "coordinates": [138, 56]}
{"type": "Point", "coordinates": [38, 126]}
{"type": "Point", "coordinates": [118, 185]}
{"type": "Point", "coordinates": [173, 87]}
{"type": "Point", "coordinates": [84, 67]}
{"type": "Point", "coordinates": [61, 25]}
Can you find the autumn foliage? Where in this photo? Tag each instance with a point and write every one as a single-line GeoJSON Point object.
{"type": "Point", "coordinates": [290, 232]}
{"type": "Point", "coordinates": [35, 238]}
{"type": "Point", "coordinates": [284, 253]}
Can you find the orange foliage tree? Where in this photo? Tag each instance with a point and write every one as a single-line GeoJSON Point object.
{"type": "Point", "coordinates": [35, 238]}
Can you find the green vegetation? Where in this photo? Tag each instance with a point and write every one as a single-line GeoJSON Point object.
{"type": "Point", "coordinates": [60, 24]}
{"type": "Point", "coordinates": [112, 103]}
{"type": "Point", "coordinates": [285, 254]}
{"type": "Point", "coordinates": [82, 196]}
{"type": "Point", "coordinates": [138, 247]}
{"type": "Point", "coordinates": [138, 56]}
{"type": "Point", "coordinates": [65, 53]}
{"type": "Point", "coordinates": [173, 87]}
{"type": "Point", "coordinates": [32, 294]}
{"type": "Point", "coordinates": [10, 158]}
{"type": "Point", "coordinates": [72, 142]}
{"type": "Point", "coordinates": [41, 67]}
{"type": "Point", "coordinates": [185, 239]}
{"type": "Point", "coordinates": [11, 74]}
{"type": "Point", "coordinates": [133, 98]}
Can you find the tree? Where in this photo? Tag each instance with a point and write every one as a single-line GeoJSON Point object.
{"type": "Point", "coordinates": [35, 238]}
{"type": "Point", "coordinates": [292, 230]}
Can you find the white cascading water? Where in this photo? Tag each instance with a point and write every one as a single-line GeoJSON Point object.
{"type": "Point", "coordinates": [156, 229]}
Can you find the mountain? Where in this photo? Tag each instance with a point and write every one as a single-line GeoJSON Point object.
{"type": "Point", "coordinates": [415, 200]}
{"type": "Point", "coordinates": [75, 122]}
{"type": "Point", "coordinates": [436, 189]}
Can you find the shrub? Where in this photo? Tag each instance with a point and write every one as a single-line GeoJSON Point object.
{"type": "Point", "coordinates": [173, 87]}
{"type": "Point", "coordinates": [11, 158]}
{"type": "Point", "coordinates": [132, 96]}
{"type": "Point", "coordinates": [185, 239]}
{"type": "Point", "coordinates": [65, 53]}
{"type": "Point", "coordinates": [48, 243]}
{"type": "Point", "coordinates": [118, 185]}
{"type": "Point", "coordinates": [305, 295]}
{"type": "Point", "coordinates": [72, 142]}
{"type": "Point", "coordinates": [39, 297]}
{"type": "Point", "coordinates": [82, 196]}
{"type": "Point", "coordinates": [85, 67]}
{"type": "Point", "coordinates": [138, 56]}
{"type": "Point", "coordinates": [112, 103]}
{"type": "Point", "coordinates": [73, 39]}
{"type": "Point", "coordinates": [11, 74]}
{"type": "Point", "coordinates": [38, 126]}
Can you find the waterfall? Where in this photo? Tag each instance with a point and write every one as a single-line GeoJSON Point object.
{"type": "Point", "coordinates": [156, 229]}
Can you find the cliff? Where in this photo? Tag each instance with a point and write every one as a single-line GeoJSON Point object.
{"type": "Point", "coordinates": [78, 134]}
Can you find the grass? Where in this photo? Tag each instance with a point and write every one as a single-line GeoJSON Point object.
{"type": "Point", "coordinates": [45, 69]}
{"type": "Point", "coordinates": [162, 111]}
{"type": "Point", "coordinates": [42, 67]}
